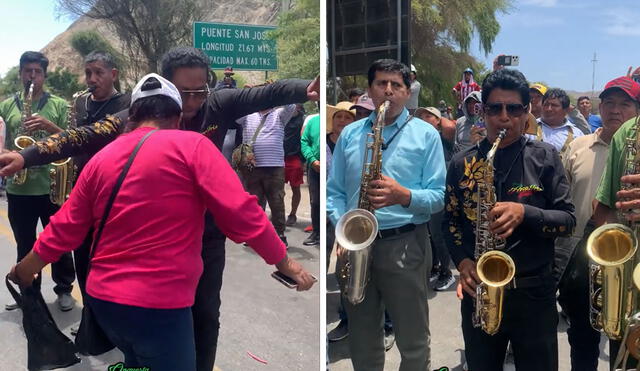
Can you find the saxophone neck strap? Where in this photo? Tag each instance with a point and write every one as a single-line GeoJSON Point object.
{"type": "Point", "coordinates": [386, 144]}
{"type": "Point", "coordinates": [41, 103]}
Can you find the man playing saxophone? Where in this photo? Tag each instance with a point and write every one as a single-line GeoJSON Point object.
{"type": "Point", "coordinates": [29, 202]}
{"type": "Point", "coordinates": [584, 162]}
{"type": "Point", "coordinates": [533, 207]}
{"type": "Point", "coordinates": [617, 199]}
{"type": "Point", "coordinates": [410, 188]}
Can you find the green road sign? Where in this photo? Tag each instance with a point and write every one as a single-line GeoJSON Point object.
{"type": "Point", "coordinates": [242, 46]}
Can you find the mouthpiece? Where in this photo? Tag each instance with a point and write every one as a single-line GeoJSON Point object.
{"type": "Point", "coordinates": [91, 89]}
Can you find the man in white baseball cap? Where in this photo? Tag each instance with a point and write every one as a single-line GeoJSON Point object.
{"type": "Point", "coordinates": [412, 103]}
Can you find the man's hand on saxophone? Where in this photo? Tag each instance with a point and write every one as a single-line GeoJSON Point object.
{"type": "Point", "coordinates": [11, 163]}
{"type": "Point", "coordinates": [506, 216]}
{"type": "Point", "coordinates": [468, 276]}
{"type": "Point", "coordinates": [37, 122]}
{"type": "Point", "coordinates": [388, 192]}
{"type": "Point", "coordinates": [629, 200]}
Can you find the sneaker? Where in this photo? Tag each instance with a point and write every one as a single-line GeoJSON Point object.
{"type": "Point", "coordinates": [313, 239]}
{"type": "Point", "coordinates": [444, 283]}
{"type": "Point", "coordinates": [308, 229]}
{"type": "Point", "coordinates": [65, 302]}
{"type": "Point", "coordinates": [340, 332]}
{"type": "Point", "coordinates": [435, 273]}
{"type": "Point", "coordinates": [389, 338]}
{"type": "Point", "coordinates": [291, 220]}
{"type": "Point", "coordinates": [283, 238]}
{"type": "Point", "coordinates": [11, 306]}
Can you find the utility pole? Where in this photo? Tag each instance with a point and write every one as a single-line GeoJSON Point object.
{"type": "Point", "coordinates": [593, 77]}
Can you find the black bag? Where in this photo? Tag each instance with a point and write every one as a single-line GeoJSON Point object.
{"type": "Point", "coordinates": [91, 339]}
{"type": "Point", "coordinates": [242, 157]}
{"type": "Point", "coordinates": [47, 347]}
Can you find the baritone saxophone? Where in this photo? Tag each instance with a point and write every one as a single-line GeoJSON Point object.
{"type": "Point", "coordinates": [357, 229]}
{"type": "Point", "coordinates": [614, 275]}
{"type": "Point", "coordinates": [63, 172]}
{"type": "Point", "coordinates": [495, 268]}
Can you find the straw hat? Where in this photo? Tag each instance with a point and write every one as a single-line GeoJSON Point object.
{"type": "Point", "coordinates": [332, 110]}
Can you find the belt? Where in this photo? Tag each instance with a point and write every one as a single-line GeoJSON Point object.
{"type": "Point", "coordinates": [529, 282]}
{"type": "Point", "coordinates": [395, 231]}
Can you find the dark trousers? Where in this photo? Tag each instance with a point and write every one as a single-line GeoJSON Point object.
{"type": "Point", "coordinates": [159, 339]}
{"type": "Point", "coordinates": [441, 256]}
{"type": "Point", "coordinates": [574, 298]}
{"type": "Point", "coordinates": [206, 308]}
{"type": "Point", "coordinates": [529, 322]}
{"type": "Point", "coordinates": [267, 183]}
{"type": "Point", "coordinates": [24, 213]}
{"type": "Point", "coordinates": [313, 178]}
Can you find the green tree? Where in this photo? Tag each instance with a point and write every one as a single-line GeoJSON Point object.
{"type": "Point", "coordinates": [10, 83]}
{"type": "Point", "coordinates": [445, 30]}
{"type": "Point", "coordinates": [441, 34]}
{"type": "Point", "coordinates": [85, 42]}
{"type": "Point", "coordinates": [147, 28]}
{"type": "Point", "coordinates": [298, 39]}
{"type": "Point", "coordinates": [62, 83]}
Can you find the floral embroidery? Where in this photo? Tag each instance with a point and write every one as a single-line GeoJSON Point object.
{"type": "Point", "coordinates": [473, 171]}
{"type": "Point", "coordinates": [78, 136]}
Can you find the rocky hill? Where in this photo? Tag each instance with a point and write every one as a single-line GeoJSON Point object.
{"type": "Point", "coordinates": [61, 54]}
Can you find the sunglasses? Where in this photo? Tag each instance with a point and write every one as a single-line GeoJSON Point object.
{"type": "Point", "coordinates": [199, 93]}
{"type": "Point", "coordinates": [513, 109]}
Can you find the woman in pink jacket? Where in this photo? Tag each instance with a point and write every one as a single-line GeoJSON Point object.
{"type": "Point", "coordinates": [147, 262]}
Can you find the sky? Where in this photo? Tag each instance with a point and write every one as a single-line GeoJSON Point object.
{"type": "Point", "coordinates": [27, 25]}
{"type": "Point", "coordinates": [556, 40]}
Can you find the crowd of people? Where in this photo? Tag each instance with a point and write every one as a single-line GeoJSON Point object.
{"type": "Point", "coordinates": [149, 250]}
{"type": "Point", "coordinates": [558, 173]}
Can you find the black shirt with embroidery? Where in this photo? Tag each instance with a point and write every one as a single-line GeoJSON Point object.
{"type": "Point", "coordinates": [527, 172]}
{"type": "Point", "coordinates": [218, 115]}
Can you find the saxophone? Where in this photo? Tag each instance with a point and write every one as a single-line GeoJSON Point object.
{"type": "Point", "coordinates": [357, 229]}
{"type": "Point", "coordinates": [495, 268]}
{"type": "Point", "coordinates": [613, 250]}
{"type": "Point", "coordinates": [23, 140]}
{"type": "Point", "coordinates": [63, 172]}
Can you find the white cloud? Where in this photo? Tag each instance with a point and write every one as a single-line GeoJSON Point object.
{"type": "Point", "coordinates": [542, 3]}
{"type": "Point", "coordinates": [622, 22]}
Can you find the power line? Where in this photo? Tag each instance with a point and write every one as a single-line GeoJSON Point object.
{"type": "Point", "coordinates": [593, 77]}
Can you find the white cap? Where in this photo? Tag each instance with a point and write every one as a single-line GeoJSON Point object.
{"type": "Point", "coordinates": [166, 88]}
{"type": "Point", "coordinates": [413, 69]}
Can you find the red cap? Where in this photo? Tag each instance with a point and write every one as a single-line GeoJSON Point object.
{"type": "Point", "coordinates": [626, 84]}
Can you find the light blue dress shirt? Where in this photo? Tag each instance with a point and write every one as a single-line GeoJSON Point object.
{"type": "Point", "coordinates": [414, 159]}
{"type": "Point", "coordinates": [556, 136]}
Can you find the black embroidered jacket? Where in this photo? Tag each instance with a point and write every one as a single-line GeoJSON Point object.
{"type": "Point", "coordinates": [528, 172]}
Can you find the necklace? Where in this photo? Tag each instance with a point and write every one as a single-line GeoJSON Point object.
{"type": "Point", "coordinates": [106, 102]}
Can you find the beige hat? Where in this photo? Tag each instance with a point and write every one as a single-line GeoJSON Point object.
{"type": "Point", "coordinates": [332, 110]}
{"type": "Point", "coordinates": [432, 110]}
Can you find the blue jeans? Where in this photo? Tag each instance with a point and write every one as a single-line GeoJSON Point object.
{"type": "Point", "coordinates": [160, 339]}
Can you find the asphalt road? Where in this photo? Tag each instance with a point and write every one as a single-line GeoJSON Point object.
{"type": "Point", "coordinates": [447, 346]}
{"type": "Point", "coordinates": [259, 316]}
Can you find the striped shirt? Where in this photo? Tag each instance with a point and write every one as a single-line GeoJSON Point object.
{"type": "Point", "coordinates": [268, 148]}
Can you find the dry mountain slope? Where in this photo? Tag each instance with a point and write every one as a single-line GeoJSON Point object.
{"type": "Point", "coordinates": [61, 54]}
